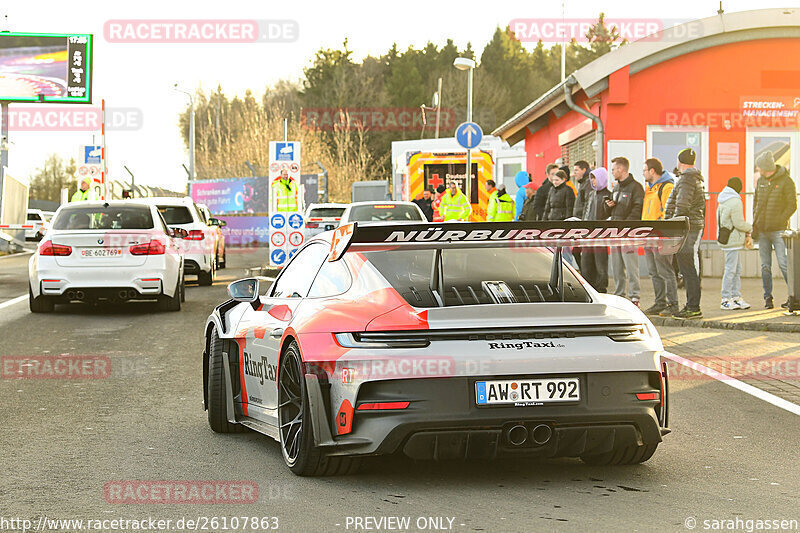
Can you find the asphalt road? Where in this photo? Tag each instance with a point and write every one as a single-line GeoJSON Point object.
{"type": "Point", "coordinates": [730, 455]}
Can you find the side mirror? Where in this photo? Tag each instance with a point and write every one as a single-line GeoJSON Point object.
{"type": "Point", "coordinates": [217, 222]}
{"type": "Point", "coordinates": [244, 290]}
{"type": "Point", "coordinates": [178, 233]}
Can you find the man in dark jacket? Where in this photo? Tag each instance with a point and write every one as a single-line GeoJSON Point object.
{"type": "Point", "coordinates": [583, 188]}
{"type": "Point", "coordinates": [544, 189]}
{"type": "Point", "coordinates": [625, 204]}
{"type": "Point", "coordinates": [425, 202]}
{"type": "Point", "coordinates": [775, 201]}
{"type": "Point", "coordinates": [688, 200]}
{"type": "Point", "coordinates": [594, 261]}
{"type": "Point", "coordinates": [527, 214]}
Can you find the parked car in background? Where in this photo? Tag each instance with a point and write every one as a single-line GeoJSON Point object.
{"type": "Point", "coordinates": [40, 222]}
{"type": "Point", "coordinates": [198, 246]}
{"type": "Point", "coordinates": [323, 217]}
{"type": "Point", "coordinates": [398, 212]}
{"type": "Point", "coordinates": [107, 252]}
{"type": "Point", "coordinates": [215, 225]}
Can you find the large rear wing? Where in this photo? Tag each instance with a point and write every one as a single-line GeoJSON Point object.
{"type": "Point", "coordinates": [665, 235]}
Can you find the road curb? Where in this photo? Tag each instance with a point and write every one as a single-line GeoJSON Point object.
{"type": "Point", "coordinates": [718, 324]}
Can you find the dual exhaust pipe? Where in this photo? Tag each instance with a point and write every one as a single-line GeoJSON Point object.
{"type": "Point", "coordinates": [517, 435]}
{"type": "Point", "coordinates": [124, 294]}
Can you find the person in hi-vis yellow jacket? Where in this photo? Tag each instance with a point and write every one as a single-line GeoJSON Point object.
{"type": "Point", "coordinates": [454, 204]}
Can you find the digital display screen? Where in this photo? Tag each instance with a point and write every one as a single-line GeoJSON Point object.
{"type": "Point", "coordinates": [55, 68]}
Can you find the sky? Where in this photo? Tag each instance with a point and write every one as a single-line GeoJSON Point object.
{"type": "Point", "coordinates": [140, 77]}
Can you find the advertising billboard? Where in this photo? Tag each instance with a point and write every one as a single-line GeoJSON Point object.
{"type": "Point", "coordinates": [245, 231]}
{"type": "Point", "coordinates": [46, 67]}
{"type": "Point", "coordinates": [232, 195]}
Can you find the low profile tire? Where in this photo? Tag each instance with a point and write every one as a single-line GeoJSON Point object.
{"type": "Point", "coordinates": [217, 394]}
{"type": "Point", "coordinates": [171, 303]}
{"type": "Point", "coordinates": [40, 304]}
{"type": "Point", "coordinates": [294, 424]}
{"type": "Point", "coordinates": [183, 287]}
{"type": "Point", "coordinates": [627, 455]}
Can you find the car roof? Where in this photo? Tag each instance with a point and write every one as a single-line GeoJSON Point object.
{"type": "Point", "coordinates": [381, 202]}
{"type": "Point", "coordinates": [329, 204]}
{"type": "Point", "coordinates": [110, 203]}
{"type": "Point", "coordinates": [169, 200]}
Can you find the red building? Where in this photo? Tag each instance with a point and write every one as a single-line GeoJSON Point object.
{"type": "Point", "coordinates": [727, 86]}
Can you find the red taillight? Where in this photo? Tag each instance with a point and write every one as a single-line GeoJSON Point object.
{"type": "Point", "coordinates": [195, 235]}
{"type": "Point", "coordinates": [312, 225]}
{"type": "Point", "coordinates": [647, 395]}
{"type": "Point", "coordinates": [154, 247]}
{"type": "Point", "coordinates": [383, 405]}
{"type": "Point", "coordinates": [48, 248]}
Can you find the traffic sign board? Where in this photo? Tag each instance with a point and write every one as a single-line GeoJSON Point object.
{"type": "Point", "coordinates": [278, 239]}
{"type": "Point", "coordinates": [296, 238]}
{"type": "Point", "coordinates": [278, 256]}
{"type": "Point", "coordinates": [469, 135]}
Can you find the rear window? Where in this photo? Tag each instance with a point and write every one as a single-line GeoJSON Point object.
{"type": "Point", "coordinates": [384, 212]}
{"type": "Point", "coordinates": [326, 212]}
{"type": "Point", "coordinates": [469, 275]}
{"type": "Point", "coordinates": [104, 218]}
{"type": "Point", "coordinates": [176, 214]}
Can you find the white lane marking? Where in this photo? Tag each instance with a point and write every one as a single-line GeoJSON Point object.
{"type": "Point", "coordinates": [736, 384]}
{"type": "Point", "coordinates": [9, 303]}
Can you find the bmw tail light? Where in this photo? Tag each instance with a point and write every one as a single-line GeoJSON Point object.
{"type": "Point", "coordinates": [154, 247]}
{"type": "Point", "coordinates": [60, 250]}
{"type": "Point", "coordinates": [195, 235]}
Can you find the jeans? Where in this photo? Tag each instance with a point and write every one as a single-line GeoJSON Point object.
{"type": "Point", "coordinates": [766, 242]}
{"type": "Point", "coordinates": [625, 266]}
{"type": "Point", "coordinates": [594, 267]}
{"type": "Point", "coordinates": [732, 276]}
{"type": "Point", "coordinates": [687, 261]}
{"type": "Point", "coordinates": [665, 284]}
{"type": "Point", "coordinates": [566, 252]}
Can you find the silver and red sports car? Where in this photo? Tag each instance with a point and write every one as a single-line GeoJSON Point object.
{"type": "Point", "coordinates": [453, 340]}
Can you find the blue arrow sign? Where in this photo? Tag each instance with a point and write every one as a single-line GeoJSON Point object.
{"type": "Point", "coordinates": [469, 135]}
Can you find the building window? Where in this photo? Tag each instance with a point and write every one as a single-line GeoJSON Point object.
{"type": "Point", "coordinates": [665, 142]}
{"type": "Point", "coordinates": [579, 150]}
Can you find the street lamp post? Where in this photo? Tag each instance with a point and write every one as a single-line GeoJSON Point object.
{"type": "Point", "coordinates": [464, 63]}
{"type": "Point", "coordinates": [191, 131]}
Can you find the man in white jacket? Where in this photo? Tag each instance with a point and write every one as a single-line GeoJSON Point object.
{"type": "Point", "coordinates": [730, 216]}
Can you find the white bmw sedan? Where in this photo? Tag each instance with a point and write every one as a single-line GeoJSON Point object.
{"type": "Point", "coordinates": [107, 251]}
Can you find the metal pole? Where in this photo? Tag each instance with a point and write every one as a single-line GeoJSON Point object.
{"type": "Point", "coordinates": [285, 129]}
{"type": "Point", "coordinates": [133, 187]}
{"type": "Point", "coordinates": [3, 148]}
{"type": "Point", "coordinates": [438, 105]}
{"type": "Point", "coordinates": [469, 152]}
{"type": "Point", "coordinates": [191, 138]}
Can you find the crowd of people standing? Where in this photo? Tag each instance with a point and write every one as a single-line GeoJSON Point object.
{"type": "Point", "coordinates": [590, 194]}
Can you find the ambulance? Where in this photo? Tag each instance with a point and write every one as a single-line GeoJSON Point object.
{"type": "Point", "coordinates": [432, 162]}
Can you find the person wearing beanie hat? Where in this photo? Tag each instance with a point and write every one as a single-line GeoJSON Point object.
{"type": "Point", "coordinates": [688, 200]}
{"type": "Point", "coordinates": [730, 216]}
{"type": "Point", "coordinates": [774, 203]}
{"type": "Point", "coordinates": [594, 261]}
